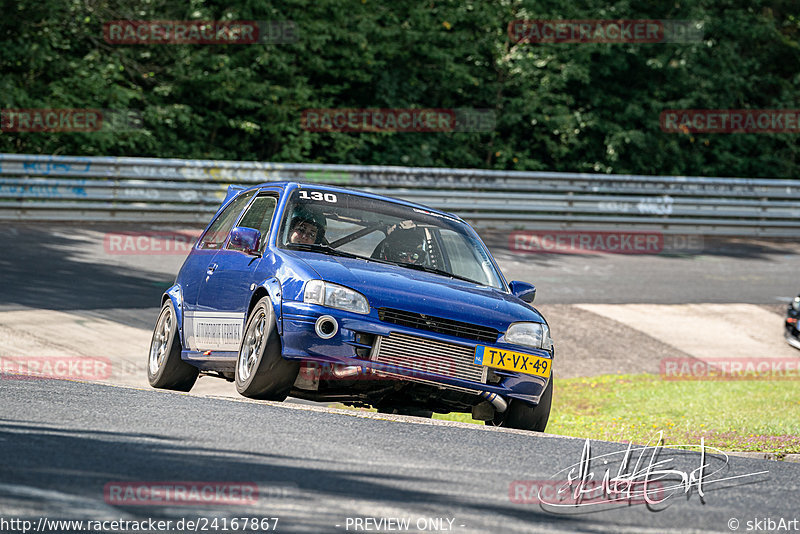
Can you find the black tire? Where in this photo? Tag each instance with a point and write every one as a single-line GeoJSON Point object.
{"type": "Point", "coordinates": [261, 370]}
{"type": "Point", "coordinates": [165, 368]}
{"type": "Point", "coordinates": [524, 416]}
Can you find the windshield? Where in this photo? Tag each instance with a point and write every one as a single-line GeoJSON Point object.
{"type": "Point", "coordinates": [355, 226]}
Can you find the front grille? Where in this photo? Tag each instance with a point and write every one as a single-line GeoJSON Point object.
{"type": "Point", "coordinates": [438, 325]}
{"type": "Point", "coordinates": [425, 355]}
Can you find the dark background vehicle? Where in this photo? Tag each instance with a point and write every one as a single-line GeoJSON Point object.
{"type": "Point", "coordinates": [792, 327]}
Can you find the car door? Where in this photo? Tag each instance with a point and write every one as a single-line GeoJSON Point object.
{"type": "Point", "coordinates": [225, 292]}
{"type": "Point", "coordinates": [195, 268]}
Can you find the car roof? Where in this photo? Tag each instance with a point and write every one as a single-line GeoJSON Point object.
{"type": "Point", "coordinates": [335, 189]}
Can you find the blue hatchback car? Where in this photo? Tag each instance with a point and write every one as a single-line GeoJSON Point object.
{"type": "Point", "coordinates": [335, 295]}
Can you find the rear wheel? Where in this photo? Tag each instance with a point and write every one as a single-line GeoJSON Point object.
{"type": "Point", "coordinates": [261, 370]}
{"type": "Point", "coordinates": [165, 369]}
{"type": "Point", "coordinates": [524, 416]}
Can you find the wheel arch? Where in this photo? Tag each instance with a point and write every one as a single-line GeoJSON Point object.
{"type": "Point", "coordinates": [175, 294]}
{"type": "Point", "coordinates": [271, 287]}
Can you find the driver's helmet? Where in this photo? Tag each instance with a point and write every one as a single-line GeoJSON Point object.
{"type": "Point", "coordinates": [306, 213]}
{"type": "Point", "coordinates": [406, 246]}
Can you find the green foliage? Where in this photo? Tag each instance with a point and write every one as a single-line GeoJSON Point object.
{"type": "Point", "coordinates": [563, 107]}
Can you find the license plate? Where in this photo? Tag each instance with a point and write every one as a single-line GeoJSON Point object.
{"type": "Point", "coordinates": [512, 361]}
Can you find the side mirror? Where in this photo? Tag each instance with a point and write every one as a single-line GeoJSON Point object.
{"type": "Point", "coordinates": [523, 291]}
{"type": "Point", "coordinates": [246, 240]}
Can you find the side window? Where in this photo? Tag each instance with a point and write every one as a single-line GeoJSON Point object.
{"type": "Point", "coordinates": [259, 217]}
{"type": "Point", "coordinates": [219, 229]}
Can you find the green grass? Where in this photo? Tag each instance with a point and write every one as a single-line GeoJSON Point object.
{"type": "Point", "coordinates": [734, 415]}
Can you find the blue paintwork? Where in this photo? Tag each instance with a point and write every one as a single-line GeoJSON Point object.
{"type": "Point", "coordinates": [232, 191]}
{"type": "Point", "coordinates": [523, 290]}
{"type": "Point", "coordinates": [176, 296]}
{"type": "Point", "coordinates": [282, 274]}
{"type": "Point", "coordinates": [393, 287]}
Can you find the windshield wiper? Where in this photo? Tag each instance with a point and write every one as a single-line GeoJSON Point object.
{"type": "Point", "coordinates": [434, 270]}
{"type": "Point", "coordinates": [322, 249]}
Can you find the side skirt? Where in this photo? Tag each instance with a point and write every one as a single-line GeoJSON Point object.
{"type": "Point", "coordinates": [216, 361]}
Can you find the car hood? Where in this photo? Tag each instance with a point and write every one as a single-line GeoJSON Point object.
{"type": "Point", "coordinates": [402, 288]}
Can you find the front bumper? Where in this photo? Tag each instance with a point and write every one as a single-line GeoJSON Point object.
{"type": "Point", "coordinates": [354, 344]}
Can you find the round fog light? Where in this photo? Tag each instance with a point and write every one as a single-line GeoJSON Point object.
{"type": "Point", "coordinates": [326, 327]}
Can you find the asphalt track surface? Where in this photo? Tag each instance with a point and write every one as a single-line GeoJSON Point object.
{"type": "Point", "coordinates": [67, 267]}
{"type": "Point", "coordinates": [608, 313]}
{"type": "Point", "coordinates": [62, 441]}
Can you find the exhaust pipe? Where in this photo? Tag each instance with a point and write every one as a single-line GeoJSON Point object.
{"type": "Point", "coordinates": [497, 401]}
{"type": "Point", "coordinates": [346, 371]}
{"type": "Point", "coordinates": [326, 327]}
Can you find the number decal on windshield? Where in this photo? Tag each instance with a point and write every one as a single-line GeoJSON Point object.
{"type": "Point", "coordinates": [318, 196]}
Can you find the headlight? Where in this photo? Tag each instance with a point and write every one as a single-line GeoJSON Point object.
{"type": "Point", "coordinates": [796, 303]}
{"type": "Point", "coordinates": [335, 296]}
{"type": "Point", "coordinates": [536, 335]}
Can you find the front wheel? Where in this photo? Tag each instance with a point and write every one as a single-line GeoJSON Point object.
{"type": "Point", "coordinates": [261, 370]}
{"type": "Point", "coordinates": [524, 416]}
{"type": "Point", "coordinates": [165, 368]}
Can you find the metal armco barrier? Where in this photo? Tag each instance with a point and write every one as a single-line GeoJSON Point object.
{"type": "Point", "coordinates": [149, 190]}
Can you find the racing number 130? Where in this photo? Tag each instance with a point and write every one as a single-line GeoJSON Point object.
{"type": "Point", "coordinates": [316, 195]}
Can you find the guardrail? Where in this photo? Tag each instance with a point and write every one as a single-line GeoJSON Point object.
{"type": "Point", "coordinates": [149, 190]}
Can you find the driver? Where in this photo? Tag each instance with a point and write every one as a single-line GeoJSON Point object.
{"type": "Point", "coordinates": [307, 226]}
{"type": "Point", "coordinates": [406, 246]}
